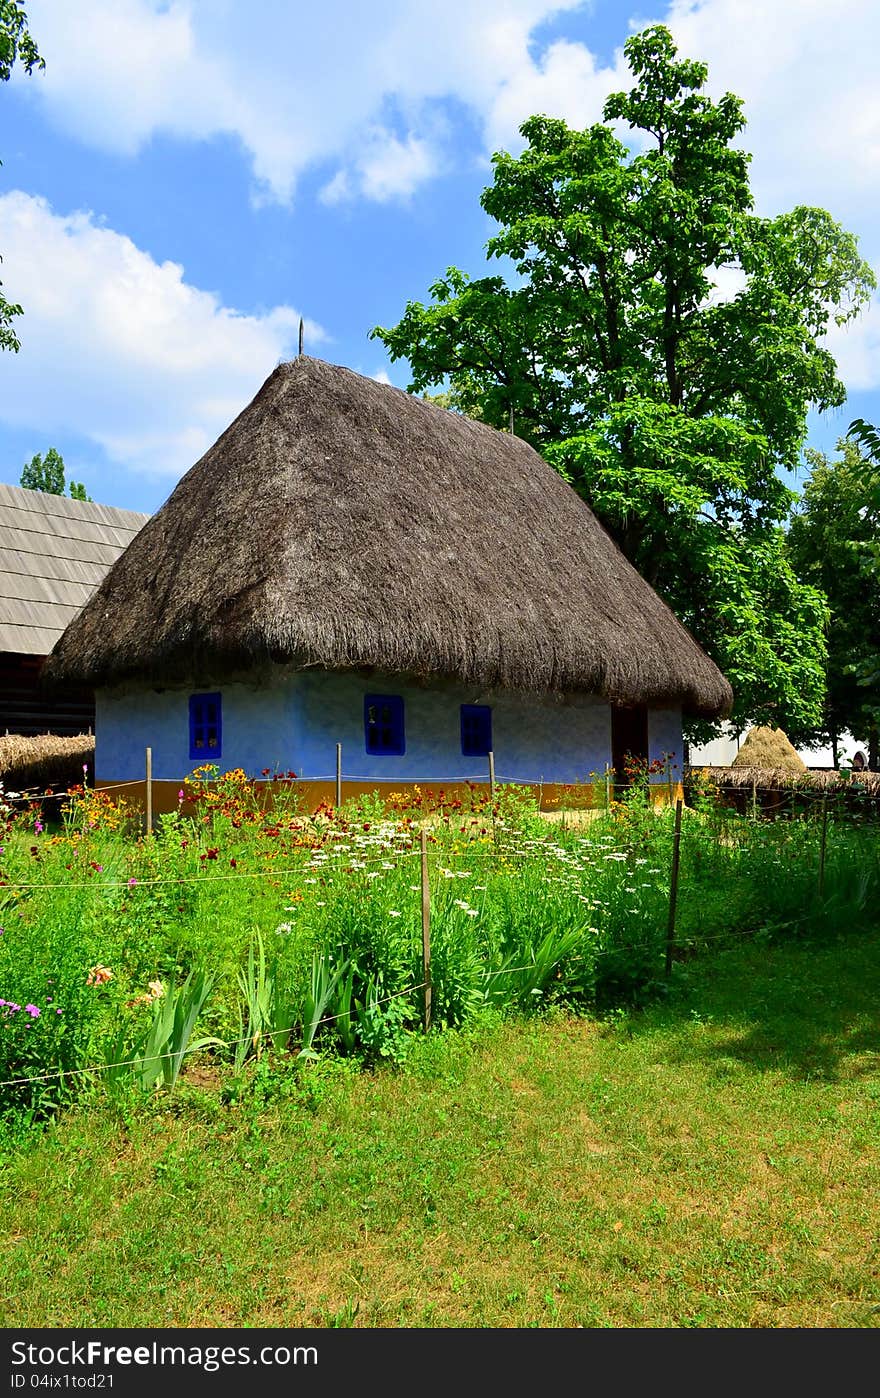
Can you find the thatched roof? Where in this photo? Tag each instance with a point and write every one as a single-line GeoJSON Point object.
{"type": "Point", "coordinates": [345, 524]}
{"type": "Point", "coordinates": [777, 779]}
{"type": "Point", "coordinates": [770, 750]}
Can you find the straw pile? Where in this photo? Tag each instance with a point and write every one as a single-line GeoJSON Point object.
{"type": "Point", "coordinates": [769, 750]}
{"type": "Point", "coordinates": [28, 763]}
{"type": "Point", "coordinates": [778, 779]}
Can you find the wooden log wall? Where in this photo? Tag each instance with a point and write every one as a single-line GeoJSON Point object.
{"type": "Point", "coordinates": [27, 707]}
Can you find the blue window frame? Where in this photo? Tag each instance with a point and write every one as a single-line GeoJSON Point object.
{"type": "Point", "coordinates": [383, 725]}
{"type": "Point", "coordinates": [476, 730]}
{"type": "Point", "coordinates": [205, 727]}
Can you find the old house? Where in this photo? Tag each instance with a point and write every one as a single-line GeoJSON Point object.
{"type": "Point", "coordinates": [350, 564]}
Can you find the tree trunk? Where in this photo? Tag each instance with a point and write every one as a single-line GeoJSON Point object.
{"type": "Point", "coordinates": [834, 750]}
{"type": "Point", "coordinates": [874, 749]}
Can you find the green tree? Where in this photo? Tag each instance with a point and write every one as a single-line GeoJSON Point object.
{"type": "Point", "coordinates": [46, 473]}
{"type": "Point", "coordinates": [16, 46]}
{"type": "Point", "coordinates": [834, 543]}
{"type": "Point", "coordinates": [669, 407]}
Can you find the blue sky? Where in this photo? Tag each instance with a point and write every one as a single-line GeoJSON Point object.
{"type": "Point", "coordinates": [187, 179]}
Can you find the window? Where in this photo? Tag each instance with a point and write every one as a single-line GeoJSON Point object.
{"type": "Point", "coordinates": [476, 730]}
{"type": "Point", "coordinates": [383, 725]}
{"type": "Point", "coordinates": [204, 726]}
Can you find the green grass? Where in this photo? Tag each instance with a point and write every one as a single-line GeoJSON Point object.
{"type": "Point", "coordinates": [281, 913]}
{"type": "Point", "coordinates": [712, 1160]}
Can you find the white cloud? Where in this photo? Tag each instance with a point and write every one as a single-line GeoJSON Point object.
{"type": "Point", "coordinates": [357, 86]}
{"type": "Point", "coordinates": [807, 72]}
{"type": "Point", "coordinates": [120, 349]}
{"type": "Point", "coordinates": [387, 168]}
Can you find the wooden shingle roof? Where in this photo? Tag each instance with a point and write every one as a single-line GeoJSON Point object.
{"type": "Point", "coordinates": [54, 552]}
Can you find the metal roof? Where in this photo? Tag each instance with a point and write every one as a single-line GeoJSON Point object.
{"type": "Point", "coordinates": [53, 554]}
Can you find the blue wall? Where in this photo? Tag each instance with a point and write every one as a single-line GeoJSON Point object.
{"type": "Point", "coordinates": [293, 721]}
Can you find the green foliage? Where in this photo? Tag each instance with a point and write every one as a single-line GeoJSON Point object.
{"type": "Point", "coordinates": [46, 473]}
{"type": "Point", "coordinates": [269, 1019]}
{"type": "Point", "coordinates": [323, 982]}
{"type": "Point", "coordinates": [867, 437]}
{"type": "Point", "coordinates": [16, 46]}
{"type": "Point", "coordinates": [105, 933]}
{"type": "Point", "coordinates": [668, 406]}
{"type": "Point", "coordinates": [834, 541]}
{"type": "Point", "coordinates": [160, 1051]}
{"type": "Point", "coordinates": [16, 43]}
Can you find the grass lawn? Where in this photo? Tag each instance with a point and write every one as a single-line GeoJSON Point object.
{"type": "Point", "coordinates": [711, 1161]}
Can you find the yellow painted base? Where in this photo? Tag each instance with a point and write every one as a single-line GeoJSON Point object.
{"type": "Point", "coordinates": [552, 796]}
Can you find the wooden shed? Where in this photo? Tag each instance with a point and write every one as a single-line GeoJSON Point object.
{"type": "Point", "coordinates": [53, 554]}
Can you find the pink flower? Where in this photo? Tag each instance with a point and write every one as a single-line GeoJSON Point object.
{"type": "Point", "coordinates": [132, 882]}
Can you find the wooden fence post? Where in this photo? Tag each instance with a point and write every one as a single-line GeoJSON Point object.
{"type": "Point", "coordinates": [338, 775]}
{"type": "Point", "coordinates": [492, 775]}
{"type": "Point", "coordinates": [149, 789]}
{"type": "Point", "coordinates": [673, 887]}
{"type": "Point", "coordinates": [607, 788]}
{"type": "Point", "coordinates": [754, 798]}
{"type": "Point", "coordinates": [822, 844]}
{"type": "Point", "coordinates": [426, 930]}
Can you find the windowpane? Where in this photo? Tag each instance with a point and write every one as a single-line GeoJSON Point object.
{"type": "Point", "coordinates": [205, 726]}
{"type": "Point", "coordinates": [476, 730]}
{"type": "Point", "coordinates": [383, 725]}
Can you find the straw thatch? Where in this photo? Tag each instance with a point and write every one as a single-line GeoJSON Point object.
{"type": "Point", "coordinates": [44, 761]}
{"type": "Point", "coordinates": [823, 782]}
{"type": "Point", "coordinates": [345, 524]}
{"type": "Point", "coordinates": [769, 750]}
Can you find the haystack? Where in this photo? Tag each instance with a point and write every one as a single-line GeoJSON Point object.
{"type": "Point", "coordinates": [768, 749]}
{"type": "Point", "coordinates": [28, 763]}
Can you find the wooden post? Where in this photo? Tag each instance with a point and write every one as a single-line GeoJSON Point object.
{"type": "Point", "coordinates": [607, 788]}
{"type": "Point", "coordinates": [338, 775]}
{"type": "Point", "coordinates": [426, 930]}
{"type": "Point", "coordinates": [492, 794]}
{"type": "Point", "coordinates": [754, 798]}
{"type": "Point", "coordinates": [673, 888]}
{"type": "Point", "coordinates": [822, 844]}
{"type": "Point", "coordinates": [149, 786]}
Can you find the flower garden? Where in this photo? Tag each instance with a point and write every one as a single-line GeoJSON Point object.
{"type": "Point", "coordinates": [240, 933]}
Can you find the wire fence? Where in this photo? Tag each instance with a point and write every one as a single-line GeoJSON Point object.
{"type": "Point", "coordinates": [327, 861]}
